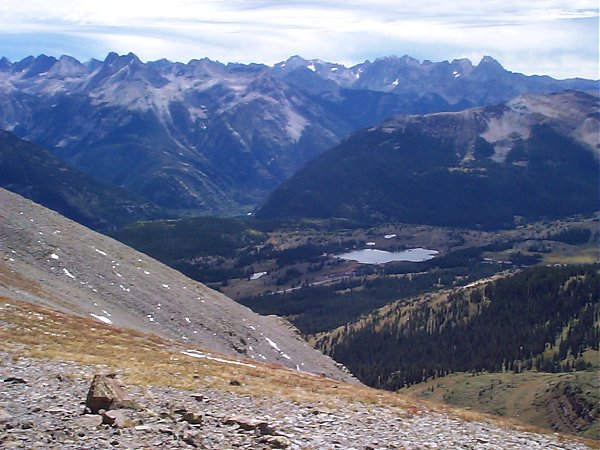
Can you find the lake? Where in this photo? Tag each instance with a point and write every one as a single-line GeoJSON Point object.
{"type": "Point", "coordinates": [374, 256]}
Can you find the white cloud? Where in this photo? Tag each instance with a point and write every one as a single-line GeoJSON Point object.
{"type": "Point", "coordinates": [558, 38]}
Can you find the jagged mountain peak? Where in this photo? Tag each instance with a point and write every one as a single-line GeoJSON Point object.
{"type": "Point", "coordinates": [246, 68]}
{"type": "Point", "coordinates": [119, 61]}
{"type": "Point", "coordinates": [4, 63]}
{"type": "Point", "coordinates": [293, 62]}
{"type": "Point", "coordinates": [33, 66]}
{"type": "Point", "coordinates": [67, 66]}
{"type": "Point", "coordinates": [405, 59]}
{"type": "Point", "coordinates": [306, 66]}
{"type": "Point", "coordinates": [486, 59]}
{"type": "Point", "coordinates": [488, 66]}
{"type": "Point", "coordinates": [110, 57]}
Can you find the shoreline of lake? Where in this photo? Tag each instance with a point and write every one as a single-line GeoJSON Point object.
{"type": "Point", "coordinates": [375, 256]}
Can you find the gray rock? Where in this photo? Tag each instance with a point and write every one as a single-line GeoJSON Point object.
{"type": "Point", "coordinates": [192, 437]}
{"type": "Point", "coordinates": [193, 418]}
{"type": "Point", "coordinates": [276, 441]}
{"type": "Point", "coordinates": [89, 421]}
{"type": "Point", "coordinates": [115, 418]}
{"type": "Point", "coordinates": [261, 427]}
{"type": "Point", "coordinates": [15, 380]}
{"type": "Point", "coordinates": [232, 420]}
{"type": "Point", "coordinates": [4, 416]}
{"type": "Point", "coordinates": [198, 397]}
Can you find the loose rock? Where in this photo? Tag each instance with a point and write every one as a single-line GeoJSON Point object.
{"type": "Point", "coordinates": [277, 441]}
{"type": "Point", "coordinates": [229, 420]}
{"type": "Point", "coordinates": [105, 393]}
{"type": "Point", "coordinates": [116, 418]}
{"type": "Point", "coordinates": [193, 418]}
{"type": "Point", "coordinates": [15, 380]}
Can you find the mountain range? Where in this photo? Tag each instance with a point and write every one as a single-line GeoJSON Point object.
{"type": "Point", "coordinates": [209, 137]}
{"type": "Point", "coordinates": [533, 157]}
{"type": "Point", "coordinates": [383, 143]}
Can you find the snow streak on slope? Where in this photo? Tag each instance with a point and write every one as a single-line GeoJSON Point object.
{"type": "Point", "coordinates": [102, 278]}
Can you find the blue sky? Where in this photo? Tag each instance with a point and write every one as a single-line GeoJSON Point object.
{"type": "Point", "coordinates": [555, 37]}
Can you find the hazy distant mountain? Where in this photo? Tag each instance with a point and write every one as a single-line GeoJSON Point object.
{"type": "Point", "coordinates": [38, 175]}
{"type": "Point", "coordinates": [211, 137]}
{"type": "Point", "coordinates": [535, 156]}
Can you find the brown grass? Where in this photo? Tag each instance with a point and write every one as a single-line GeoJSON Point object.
{"type": "Point", "coordinates": [147, 360]}
{"type": "Point", "coordinates": [144, 359]}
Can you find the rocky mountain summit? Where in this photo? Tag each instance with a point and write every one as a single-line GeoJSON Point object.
{"type": "Point", "coordinates": [213, 137]}
{"type": "Point", "coordinates": [49, 260]}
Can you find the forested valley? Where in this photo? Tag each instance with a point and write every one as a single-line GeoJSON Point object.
{"type": "Point", "coordinates": [542, 318]}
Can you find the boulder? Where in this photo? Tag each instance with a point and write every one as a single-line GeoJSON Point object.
{"type": "Point", "coordinates": [106, 393]}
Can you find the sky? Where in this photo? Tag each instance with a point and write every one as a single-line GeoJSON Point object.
{"type": "Point", "coordinates": [559, 38]}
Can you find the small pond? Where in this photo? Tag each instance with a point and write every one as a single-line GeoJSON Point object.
{"type": "Point", "coordinates": [374, 256]}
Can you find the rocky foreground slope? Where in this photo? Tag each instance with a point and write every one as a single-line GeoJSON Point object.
{"type": "Point", "coordinates": [48, 260]}
{"type": "Point", "coordinates": [180, 401]}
